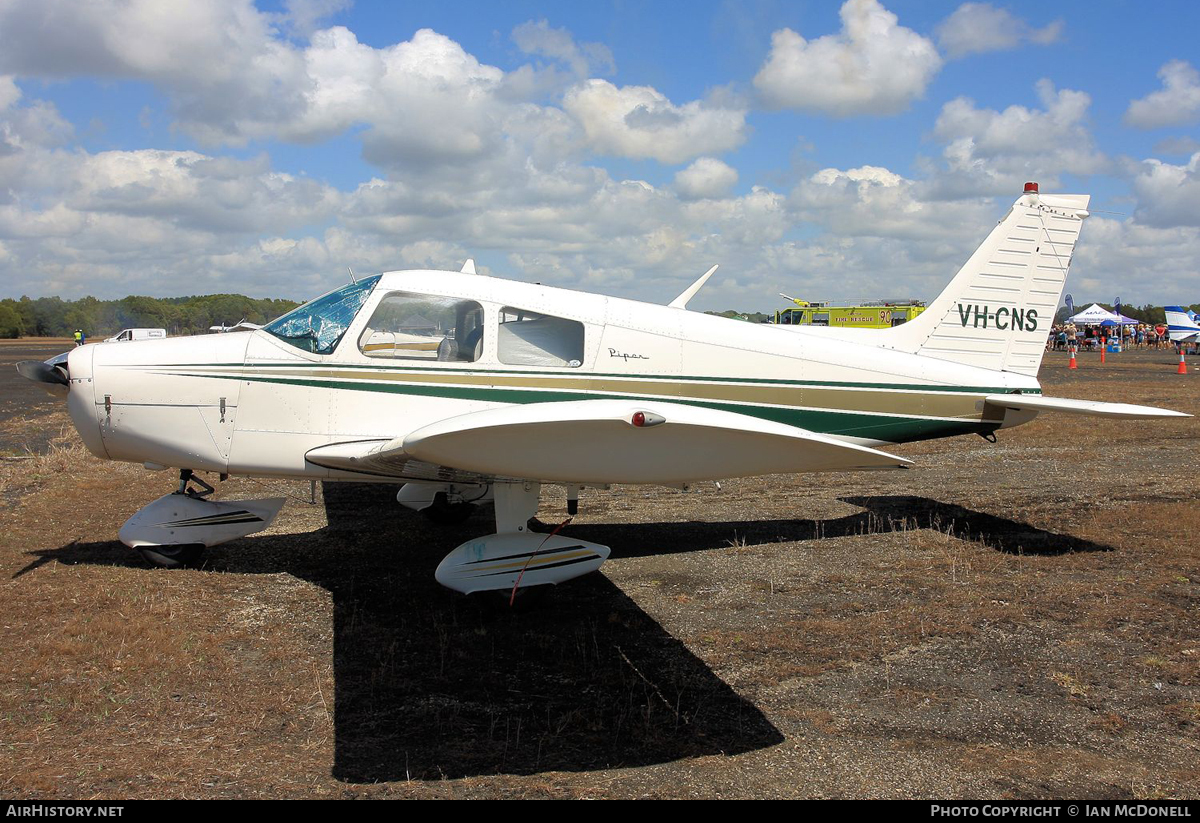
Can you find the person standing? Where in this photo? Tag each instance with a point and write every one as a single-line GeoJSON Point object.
{"type": "Point", "coordinates": [78, 337]}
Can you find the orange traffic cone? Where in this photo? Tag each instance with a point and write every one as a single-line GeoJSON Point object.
{"type": "Point", "coordinates": [1182, 366]}
{"type": "Point", "coordinates": [1072, 366]}
{"type": "Point", "coordinates": [1103, 346]}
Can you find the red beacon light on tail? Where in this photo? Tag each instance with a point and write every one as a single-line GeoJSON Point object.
{"type": "Point", "coordinates": [1031, 188]}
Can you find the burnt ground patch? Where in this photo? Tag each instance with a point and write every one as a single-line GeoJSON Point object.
{"type": "Point", "coordinates": [22, 400]}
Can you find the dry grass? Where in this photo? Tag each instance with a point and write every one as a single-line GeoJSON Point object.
{"type": "Point", "coordinates": [1002, 621]}
{"type": "Point", "coordinates": [24, 471]}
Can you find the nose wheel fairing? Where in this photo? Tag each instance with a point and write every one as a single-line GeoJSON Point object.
{"type": "Point", "coordinates": [185, 518]}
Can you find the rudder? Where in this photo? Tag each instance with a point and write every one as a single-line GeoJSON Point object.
{"type": "Point", "coordinates": [1181, 324]}
{"type": "Point", "coordinates": [998, 309]}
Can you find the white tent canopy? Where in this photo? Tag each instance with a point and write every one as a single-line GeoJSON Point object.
{"type": "Point", "coordinates": [1094, 315]}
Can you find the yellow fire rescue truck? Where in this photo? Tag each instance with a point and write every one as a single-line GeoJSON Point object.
{"type": "Point", "coordinates": [872, 315]}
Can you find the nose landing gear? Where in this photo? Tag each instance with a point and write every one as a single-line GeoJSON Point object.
{"type": "Point", "coordinates": [176, 528]}
{"type": "Point", "coordinates": [174, 557]}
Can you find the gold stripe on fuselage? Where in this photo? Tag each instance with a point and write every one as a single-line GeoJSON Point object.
{"type": "Point", "coordinates": [372, 347]}
{"type": "Point", "coordinates": [901, 402]}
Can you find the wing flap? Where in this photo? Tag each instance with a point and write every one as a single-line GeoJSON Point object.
{"type": "Point", "coordinates": [384, 458]}
{"type": "Point", "coordinates": [1096, 408]}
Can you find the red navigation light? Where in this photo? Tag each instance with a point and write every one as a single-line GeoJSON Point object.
{"type": "Point", "coordinates": [639, 419]}
{"type": "Point", "coordinates": [1031, 188]}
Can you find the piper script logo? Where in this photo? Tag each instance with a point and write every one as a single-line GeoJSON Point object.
{"type": "Point", "coordinates": [980, 317]}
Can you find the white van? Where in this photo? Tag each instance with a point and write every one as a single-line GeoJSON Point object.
{"type": "Point", "coordinates": [138, 334]}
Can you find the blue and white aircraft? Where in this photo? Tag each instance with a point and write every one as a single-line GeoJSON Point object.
{"type": "Point", "coordinates": [1181, 324]}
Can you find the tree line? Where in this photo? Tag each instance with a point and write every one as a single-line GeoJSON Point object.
{"type": "Point", "coordinates": [55, 317]}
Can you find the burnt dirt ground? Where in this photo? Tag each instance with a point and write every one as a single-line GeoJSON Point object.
{"type": "Point", "coordinates": [1011, 620]}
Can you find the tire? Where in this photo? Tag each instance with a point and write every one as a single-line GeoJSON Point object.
{"type": "Point", "coordinates": [173, 557]}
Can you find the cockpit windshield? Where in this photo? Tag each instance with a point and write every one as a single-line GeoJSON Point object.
{"type": "Point", "coordinates": [318, 325]}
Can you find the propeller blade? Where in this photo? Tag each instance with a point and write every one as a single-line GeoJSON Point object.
{"type": "Point", "coordinates": [40, 372]}
{"type": "Point", "coordinates": [50, 375]}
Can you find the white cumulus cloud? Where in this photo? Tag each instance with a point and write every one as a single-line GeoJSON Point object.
{"type": "Point", "coordinates": [422, 106]}
{"type": "Point", "coordinates": [640, 122]}
{"type": "Point", "coordinates": [872, 66]}
{"type": "Point", "coordinates": [1168, 195]}
{"type": "Point", "coordinates": [221, 195]}
{"type": "Point", "coordinates": [478, 161]}
{"type": "Point", "coordinates": [1148, 261]}
{"type": "Point", "coordinates": [221, 62]}
{"type": "Point", "coordinates": [975, 28]}
{"type": "Point", "coordinates": [871, 201]}
{"type": "Point", "coordinates": [989, 151]}
{"type": "Point", "coordinates": [1177, 103]}
{"type": "Point", "coordinates": [585, 59]}
{"type": "Point", "coordinates": [706, 177]}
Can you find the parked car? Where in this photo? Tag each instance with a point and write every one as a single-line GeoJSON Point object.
{"type": "Point", "coordinates": [138, 334]}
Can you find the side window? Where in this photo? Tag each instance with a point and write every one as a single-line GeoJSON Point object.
{"type": "Point", "coordinates": [409, 326]}
{"type": "Point", "coordinates": [526, 338]}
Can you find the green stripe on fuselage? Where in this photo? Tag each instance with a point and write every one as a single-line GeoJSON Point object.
{"type": "Point", "coordinates": [582, 374]}
{"type": "Point", "coordinates": [892, 429]}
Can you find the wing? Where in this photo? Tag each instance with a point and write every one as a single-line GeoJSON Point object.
{"type": "Point", "coordinates": [1037, 403]}
{"type": "Point", "coordinates": [603, 441]}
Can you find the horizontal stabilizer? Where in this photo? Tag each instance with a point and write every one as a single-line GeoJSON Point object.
{"type": "Point", "coordinates": [1095, 408]}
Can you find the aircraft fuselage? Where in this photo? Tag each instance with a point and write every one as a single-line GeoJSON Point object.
{"type": "Point", "coordinates": [250, 403]}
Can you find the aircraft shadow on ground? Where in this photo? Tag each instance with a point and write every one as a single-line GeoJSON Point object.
{"type": "Point", "coordinates": [432, 685]}
{"type": "Point", "coordinates": [880, 515]}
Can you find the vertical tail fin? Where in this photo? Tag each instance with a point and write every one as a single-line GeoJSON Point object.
{"type": "Point", "coordinates": [998, 309]}
{"type": "Point", "coordinates": [1181, 324]}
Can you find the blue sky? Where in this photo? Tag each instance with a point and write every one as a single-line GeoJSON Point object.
{"type": "Point", "coordinates": [831, 151]}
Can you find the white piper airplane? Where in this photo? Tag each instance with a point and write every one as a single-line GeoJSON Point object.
{"type": "Point", "coordinates": [470, 389]}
